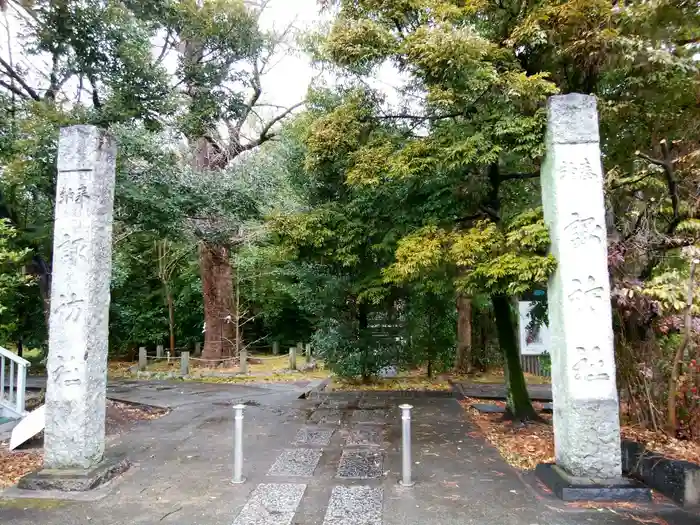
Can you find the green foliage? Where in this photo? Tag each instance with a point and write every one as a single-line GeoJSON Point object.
{"type": "Point", "coordinates": [487, 259]}
{"type": "Point", "coordinates": [11, 261]}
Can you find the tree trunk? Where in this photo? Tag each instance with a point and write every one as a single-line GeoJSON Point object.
{"type": "Point", "coordinates": [463, 360]}
{"type": "Point", "coordinates": [42, 271]}
{"type": "Point", "coordinates": [671, 418]}
{"type": "Point", "coordinates": [171, 319]}
{"type": "Point", "coordinates": [237, 309]}
{"type": "Point", "coordinates": [363, 324]}
{"type": "Point", "coordinates": [217, 289]}
{"type": "Point", "coordinates": [518, 405]}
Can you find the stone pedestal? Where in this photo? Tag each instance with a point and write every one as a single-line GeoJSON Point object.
{"type": "Point", "coordinates": [78, 328]}
{"type": "Point", "coordinates": [586, 409]}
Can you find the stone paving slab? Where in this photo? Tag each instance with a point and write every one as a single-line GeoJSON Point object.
{"type": "Point", "coordinates": [333, 403]}
{"type": "Point", "coordinates": [355, 506]}
{"type": "Point", "coordinates": [296, 462]}
{"type": "Point", "coordinates": [498, 391]}
{"type": "Point", "coordinates": [369, 416]}
{"type": "Point", "coordinates": [371, 403]}
{"type": "Point", "coordinates": [361, 464]}
{"type": "Point", "coordinates": [271, 504]}
{"type": "Point", "coordinates": [324, 416]}
{"type": "Point", "coordinates": [313, 436]}
{"type": "Point", "coordinates": [364, 437]}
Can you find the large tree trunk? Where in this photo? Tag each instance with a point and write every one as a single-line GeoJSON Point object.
{"type": "Point", "coordinates": [217, 289]}
{"type": "Point", "coordinates": [171, 319]}
{"type": "Point", "coordinates": [518, 405]}
{"type": "Point", "coordinates": [463, 359]}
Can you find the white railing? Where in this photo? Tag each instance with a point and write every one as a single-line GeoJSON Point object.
{"type": "Point", "coordinates": [13, 381]}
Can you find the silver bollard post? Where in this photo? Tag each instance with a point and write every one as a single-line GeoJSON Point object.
{"type": "Point", "coordinates": [406, 446]}
{"type": "Point", "coordinates": [238, 445]}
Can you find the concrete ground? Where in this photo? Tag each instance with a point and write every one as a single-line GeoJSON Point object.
{"type": "Point", "coordinates": [332, 460]}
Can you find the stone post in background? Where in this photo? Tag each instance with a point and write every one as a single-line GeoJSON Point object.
{"type": "Point", "coordinates": [79, 320]}
{"type": "Point", "coordinates": [184, 364]}
{"type": "Point", "coordinates": [586, 409]}
{"type": "Point", "coordinates": [293, 358]}
{"type": "Point", "coordinates": [143, 358]}
{"type": "Point", "coordinates": [275, 348]}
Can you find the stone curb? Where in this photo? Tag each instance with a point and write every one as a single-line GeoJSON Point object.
{"type": "Point", "coordinates": [316, 390]}
{"type": "Point", "coordinates": [675, 479]}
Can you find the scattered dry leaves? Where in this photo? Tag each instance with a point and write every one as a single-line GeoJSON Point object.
{"type": "Point", "coordinates": [525, 445]}
{"type": "Point", "coordinates": [14, 465]}
{"type": "Point", "coordinates": [522, 446]}
{"type": "Point", "coordinates": [497, 376]}
{"type": "Point", "coordinates": [662, 444]}
{"type": "Point", "coordinates": [407, 383]}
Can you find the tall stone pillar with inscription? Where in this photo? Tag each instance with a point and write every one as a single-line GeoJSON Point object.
{"type": "Point", "coordinates": [586, 409]}
{"type": "Point", "coordinates": [80, 294]}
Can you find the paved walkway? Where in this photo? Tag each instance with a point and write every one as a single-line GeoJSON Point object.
{"type": "Point", "coordinates": [328, 461]}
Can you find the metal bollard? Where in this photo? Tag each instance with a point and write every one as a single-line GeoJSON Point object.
{"type": "Point", "coordinates": [406, 446]}
{"type": "Point", "coordinates": [238, 445]}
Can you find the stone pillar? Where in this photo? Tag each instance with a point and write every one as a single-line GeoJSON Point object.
{"type": "Point", "coordinates": [143, 358]}
{"type": "Point", "coordinates": [79, 318]}
{"type": "Point", "coordinates": [159, 351]}
{"type": "Point", "coordinates": [184, 364]}
{"type": "Point", "coordinates": [586, 410]}
{"type": "Point", "coordinates": [197, 349]}
{"type": "Point", "coordinates": [308, 352]}
{"type": "Point", "coordinates": [293, 358]}
{"type": "Point", "coordinates": [275, 348]}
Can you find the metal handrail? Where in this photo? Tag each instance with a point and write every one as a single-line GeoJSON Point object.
{"type": "Point", "coordinates": [16, 393]}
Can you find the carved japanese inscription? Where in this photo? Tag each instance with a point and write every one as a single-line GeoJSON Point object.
{"type": "Point", "coordinates": [72, 249]}
{"type": "Point", "coordinates": [74, 195]}
{"type": "Point", "coordinates": [587, 294]}
{"type": "Point", "coordinates": [67, 372]}
{"type": "Point", "coordinates": [69, 307]}
{"type": "Point", "coordinates": [580, 169]}
{"type": "Point", "coordinates": [590, 365]}
{"type": "Point", "coordinates": [583, 229]}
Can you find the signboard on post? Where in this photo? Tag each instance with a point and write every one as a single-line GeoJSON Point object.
{"type": "Point", "coordinates": [534, 340]}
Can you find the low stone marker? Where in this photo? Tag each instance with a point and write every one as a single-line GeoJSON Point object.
{"type": "Point", "coordinates": [586, 408]}
{"type": "Point", "coordinates": [276, 348]}
{"type": "Point", "coordinates": [74, 438]}
{"type": "Point", "coordinates": [143, 358]}
{"type": "Point", "coordinates": [293, 358]}
{"type": "Point", "coordinates": [185, 364]}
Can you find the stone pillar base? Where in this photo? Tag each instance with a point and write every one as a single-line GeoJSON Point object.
{"type": "Point", "coordinates": [75, 480]}
{"type": "Point", "coordinates": [571, 488]}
